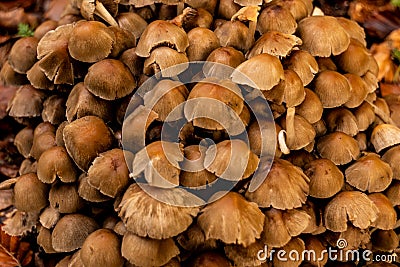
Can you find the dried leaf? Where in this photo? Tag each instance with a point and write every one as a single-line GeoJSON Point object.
{"type": "Point", "coordinates": [13, 252]}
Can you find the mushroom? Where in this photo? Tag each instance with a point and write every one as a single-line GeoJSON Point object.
{"type": "Point", "coordinates": [124, 40]}
{"type": "Point", "coordinates": [38, 78]}
{"type": "Point", "coordinates": [30, 194]}
{"type": "Point", "coordinates": [210, 259]}
{"type": "Point", "coordinates": [325, 178]}
{"type": "Point", "coordinates": [339, 147]}
{"type": "Point", "coordinates": [159, 33]}
{"type": "Point", "coordinates": [342, 120]}
{"type": "Point", "coordinates": [352, 206]}
{"type": "Point", "coordinates": [65, 198]}
{"type": "Point", "coordinates": [332, 88]}
{"type": "Point", "coordinates": [385, 240]}
{"type": "Point", "coordinates": [202, 42]}
{"type": "Point", "coordinates": [132, 22]}
{"type": "Point", "coordinates": [354, 30]}
{"type": "Point", "coordinates": [311, 108]}
{"type": "Point", "coordinates": [326, 63]}
{"type": "Point", "coordinates": [105, 9]}
{"type": "Point", "coordinates": [102, 247]}
{"type": "Point", "coordinates": [234, 34]}
{"type": "Point", "coordinates": [142, 251]}
{"type": "Point", "coordinates": [165, 61]}
{"type": "Point", "coordinates": [359, 90]}
{"type": "Point", "coordinates": [232, 219]}
{"type": "Point", "coordinates": [43, 139]}
{"type": "Point", "coordinates": [274, 43]}
{"type": "Point", "coordinates": [384, 136]}
{"type": "Point", "coordinates": [193, 239]}
{"type": "Point", "coordinates": [88, 192]}
{"type": "Point", "coordinates": [365, 116]}
{"type": "Point", "coordinates": [71, 231]}
{"type": "Point", "coordinates": [323, 36]}
{"type": "Point", "coordinates": [231, 160]}
{"type": "Point", "coordinates": [85, 138]}
{"type": "Point", "coordinates": [285, 187]}
{"type": "Point", "coordinates": [296, 244]}
{"type": "Point", "coordinates": [369, 173]}
{"type": "Point", "coordinates": [44, 27]}
{"type": "Point", "coordinates": [387, 216]}
{"type": "Point", "coordinates": [276, 17]}
{"type": "Point", "coordinates": [391, 157]}
{"type": "Point", "coordinates": [9, 77]}
{"type": "Point", "coordinates": [355, 59]}
{"type": "Point", "coordinates": [255, 68]}
{"type": "Point", "coordinates": [298, 8]}
{"type": "Point", "coordinates": [23, 54]}
{"type": "Point", "coordinates": [109, 173]}
{"type": "Point", "coordinates": [249, 13]}
{"type": "Point", "coordinates": [109, 79]}
{"type": "Point", "coordinates": [245, 256]}
{"type": "Point", "coordinates": [227, 8]}
{"type": "Point", "coordinates": [23, 141]}
{"type": "Point", "coordinates": [313, 243]}
{"type": "Point", "coordinates": [53, 109]}
{"type": "Point", "coordinates": [49, 217]}
{"type": "Point", "coordinates": [355, 238]}
{"type": "Point", "coordinates": [44, 240]}
{"type": "Point", "coordinates": [146, 216]}
{"type": "Point", "coordinates": [303, 63]}
{"type": "Point", "coordinates": [55, 162]}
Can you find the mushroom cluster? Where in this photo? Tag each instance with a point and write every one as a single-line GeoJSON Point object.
{"type": "Point", "coordinates": [99, 174]}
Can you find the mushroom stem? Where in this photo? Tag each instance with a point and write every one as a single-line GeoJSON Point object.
{"type": "Point", "coordinates": [379, 112]}
{"type": "Point", "coordinates": [103, 13]}
{"type": "Point", "coordinates": [282, 142]}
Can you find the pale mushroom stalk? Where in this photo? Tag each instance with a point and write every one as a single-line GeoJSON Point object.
{"type": "Point", "coordinates": [290, 133]}
{"type": "Point", "coordinates": [250, 14]}
{"type": "Point", "coordinates": [103, 13]}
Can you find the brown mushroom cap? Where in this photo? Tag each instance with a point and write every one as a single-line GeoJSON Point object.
{"type": "Point", "coordinates": [193, 239]}
{"type": "Point", "coordinates": [384, 136]}
{"type": "Point", "coordinates": [286, 187]}
{"type": "Point", "coordinates": [387, 216]}
{"type": "Point", "coordinates": [109, 173]}
{"type": "Point", "coordinates": [9, 77]}
{"type": "Point", "coordinates": [369, 173]}
{"type": "Point", "coordinates": [165, 60]}
{"type": "Point", "coordinates": [55, 162]}
{"type": "Point", "coordinates": [339, 147]}
{"type": "Point", "coordinates": [298, 8]}
{"type": "Point", "coordinates": [232, 219]}
{"type": "Point", "coordinates": [231, 160]}
{"type": "Point", "coordinates": [296, 244]}
{"type": "Point", "coordinates": [132, 22]}
{"type": "Point", "coordinates": [23, 54]}
{"type": "Point", "coordinates": [65, 198]}
{"type": "Point", "coordinates": [41, 143]}
{"type": "Point", "coordinates": [303, 130]}
{"type": "Point", "coordinates": [255, 69]}
{"type": "Point", "coordinates": [24, 140]}
{"type": "Point", "coordinates": [227, 56]}
{"type": "Point", "coordinates": [281, 226]}
{"type": "Point", "coordinates": [71, 231]}
{"type": "Point", "coordinates": [30, 194]}
{"type": "Point", "coordinates": [202, 42]}
{"type": "Point", "coordinates": [210, 259]}
{"type": "Point", "coordinates": [352, 206]}
{"type": "Point", "coordinates": [44, 240]}
{"type": "Point", "coordinates": [332, 88]}
{"type": "Point", "coordinates": [109, 79]}
{"type": "Point", "coordinates": [90, 41]}
{"type": "Point", "coordinates": [392, 157]}
{"type": "Point", "coordinates": [323, 36]}
{"type": "Point", "coordinates": [234, 34]}
{"type": "Point", "coordinates": [353, 29]}
{"type": "Point", "coordinates": [38, 78]}
{"type": "Point", "coordinates": [355, 237]}
{"type": "Point", "coordinates": [53, 109]}
{"type": "Point", "coordinates": [384, 240]}
{"type": "Point", "coordinates": [304, 64]}
{"type": "Point", "coordinates": [311, 108]}
{"type": "Point", "coordinates": [365, 116]}
{"type": "Point", "coordinates": [355, 59]}
{"type": "Point", "coordinates": [341, 120]}
{"type": "Point", "coordinates": [359, 90]}
{"type": "Point", "coordinates": [145, 216]}
{"type": "Point", "coordinates": [88, 192]}
{"type": "Point", "coordinates": [276, 18]}
{"type": "Point", "coordinates": [19, 107]}
{"type": "Point", "coordinates": [159, 33]}
{"type": "Point", "coordinates": [325, 178]}
{"type": "Point", "coordinates": [102, 247]}
{"type": "Point", "coordinates": [49, 217]}
{"type": "Point", "coordinates": [45, 27]}
{"type": "Point", "coordinates": [245, 256]}
{"type": "Point", "coordinates": [86, 137]}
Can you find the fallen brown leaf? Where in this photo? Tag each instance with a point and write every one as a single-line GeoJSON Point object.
{"type": "Point", "coordinates": [13, 251]}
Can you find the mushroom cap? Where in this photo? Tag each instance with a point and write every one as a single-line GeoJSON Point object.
{"type": "Point", "coordinates": [41, 143]}
{"type": "Point", "coordinates": [244, 256]}
{"type": "Point", "coordinates": [392, 157]}
{"type": "Point", "coordinates": [165, 60]}
{"type": "Point", "coordinates": [142, 251]}
{"type": "Point", "coordinates": [65, 198]}
{"type": "Point", "coordinates": [354, 30]}
{"type": "Point", "coordinates": [323, 36]}
{"type": "Point", "coordinates": [55, 162]}
{"type": "Point", "coordinates": [352, 206]}
{"type": "Point", "coordinates": [88, 192]}
{"type": "Point", "coordinates": [109, 173]}
{"type": "Point", "coordinates": [232, 219]}
{"type": "Point", "coordinates": [71, 231]}
{"type": "Point", "coordinates": [43, 239]}
{"type": "Point", "coordinates": [24, 140]}
{"type": "Point", "coordinates": [159, 161]}
{"type": "Point", "coordinates": [49, 217]}
{"type": "Point", "coordinates": [193, 173]}
{"type": "Point", "coordinates": [193, 239]}
{"type": "Point", "coordinates": [132, 22]}
{"type": "Point", "coordinates": [303, 63]}
{"type": "Point", "coordinates": [231, 160]}
{"type": "Point", "coordinates": [145, 216]}
{"type": "Point", "coordinates": [286, 187]}
{"type": "Point", "coordinates": [355, 237]}
{"type": "Point", "coordinates": [255, 68]}
{"type": "Point", "coordinates": [22, 55]}
{"type": "Point", "coordinates": [53, 109]}
{"type": "Point", "coordinates": [356, 58]}
{"type": "Point", "coordinates": [384, 136]}
{"type": "Point", "coordinates": [365, 116]}
{"type": "Point", "coordinates": [387, 216]}
{"type": "Point", "coordinates": [227, 56]}
{"type": "Point", "coordinates": [210, 259]}
{"type": "Point", "coordinates": [276, 17]}
{"type": "Point", "coordinates": [311, 108]}
{"type": "Point", "coordinates": [341, 120]}
{"type": "Point", "coordinates": [85, 138]}
{"type": "Point", "coordinates": [109, 79]}
{"type": "Point", "coordinates": [159, 33]}
{"type": "Point", "coordinates": [19, 106]}
{"type": "Point", "coordinates": [9, 77]}
{"type": "Point", "coordinates": [234, 34]}
{"type": "Point", "coordinates": [202, 42]}
{"type": "Point", "coordinates": [325, 178]}
{"type": "Point", "coordinates": [298, 8]}
{"type": "Point", "coordinates": [274, 43]}
{"type": "Point", "coordinates": [296, 244]}
{"type": "Point", "coordinates": [102, 247]}
{"type": "Point", "coordinates": [304, 131]}
{"type": "Point", "coordinates": [332, 88]}
{"type": "Point", "coordinates": [90, 41]}
{"type": "Point", "coordinates": [384, 240]}
{"type": "Point", "coordinates": [30, 194]}
{"type": "Point", "coordinates": [369, 173]}
{"type": "Point", "coordinates": [280, 226]}
{"type": "Point", "coordinates": [339, 147]}
{"type": "Point", "coordinates": [326, 63]}
{"type": "Point", "coordinates": [359, 90]}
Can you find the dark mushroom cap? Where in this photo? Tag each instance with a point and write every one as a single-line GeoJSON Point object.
{"type": "Point", "coordinates": [285, 187]}
{"type": "Point", "coordinates": [30, 194]}
{"type": "Point", "coordinates": [296, 244]}
{"type": "Point", "coordinates": [298, 8]}
{"type": "Point", "coordinates": [232, 219]}
{"type": "Point", "coordinates": [303, 63]}
{"type": "Point", "coordinates": [384, 240]}
{"type": "Point", "coordinates": [159, 33]}
{"type": "Point", "coordinates": [24, 140]}
{"type": "Point", "coordinates": [65, 198]}
{"type": "Point", "coordinates": [202, 42]}
{"type": "Point", "coordinates": [350, 206]}
{"type": "Point", "coordinates": [359, 90]}
{"type": "Point", "coordinates": [109, 79]}
{"type": "Point", "coordinates": [85, 138]}
{"type": "Point", "coordinates": [20, 107]}
{"type": "Point", "coordinates": [44, 240]}
{"type": "Point", "coordinates": [45, 27]}
{"type": "Point", "coordinates": [132, 22]}
{"type": "Point", "coordinates": [9, 77]}
{"type": "Point", "coordinates": [304, 131]}
{"type": "Point", "coordinates": [355, 59]}
{"type": "Point", "coordinates": [53, 109]}
{"type": "Point", "coordinates": [365, 116]}
{"type": "Point", "coordinates": [145, 216]}
{"type": "Point", "coordinates": [55, 162]}
{"type": "Point", "coordinates": [323, 36]}
{"type": "Point", "coordinates": [276, 17]}
{"type": "Point", "coordinates": [339, 147]}
{"type": "Point", "coordinates": [90, 41]}
{"type": "Point", "coordinates": [23, 54]}
{"type": "Point", "coordinates": [233, 33]}
{"type": "Point", "coordinates": [102, 248]}
{"type": "Point", "coordinates": [71, 231]}
{"type": "Point", "coordinates": [165, 60]}
{"type": "Point", "coordinates": [38, 78]}
{"type": "Point", "coordinates": [244, 256]}
{"type": "Point", "coordinates": [227, 56]}
{"type": "Point", "coordinates": [210, 259]}
{"type": "Point", "coordinates": [341, 120]}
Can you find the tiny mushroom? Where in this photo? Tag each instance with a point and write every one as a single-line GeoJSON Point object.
{"type": "Point", "coordinates": [30, 194]}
